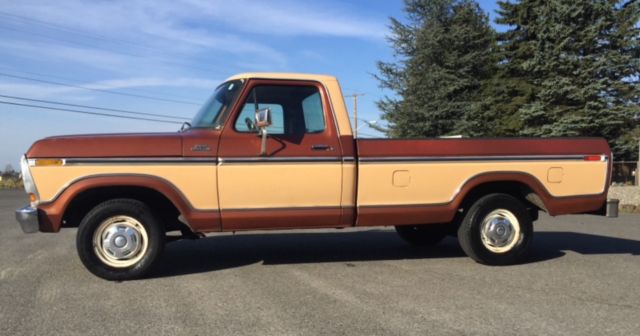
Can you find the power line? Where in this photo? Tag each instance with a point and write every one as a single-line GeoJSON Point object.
{"type": "Point", "coordinates": [93, 107]}
{"type": "Point", "coordinates": [66, 40]}
{"type": "Point", "coordinates": [97, 37]}
{"type": "Point", "coordinates": [99, 90]}
{"type": "Point", "coordinates": [120, 52]}
{"type": "Point", "coordinates": [75, 80]}
{"type": "Point", "coordinates": [86, 34]}
{"type": "Point", "coordinates": [90, 113]}
{"type": "Point", "coordinates": [100, 38]}
{"type": "Point", "coordinates": [72, 30]}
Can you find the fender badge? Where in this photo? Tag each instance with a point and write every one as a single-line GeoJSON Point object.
{"type": "Point", "coordinates": [200, 148]}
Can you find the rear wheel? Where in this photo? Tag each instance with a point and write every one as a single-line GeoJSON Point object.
{"type": "Point", "coordinates": [423, 235]}
{"type": "Point", "coordinates": [497, 230]}
{"type": "Point", "coordinates": [119, 239]}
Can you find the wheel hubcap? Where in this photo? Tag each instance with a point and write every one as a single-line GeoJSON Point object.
{"type": "Point", "coordinates": [500, 231]}
{"type": "Point", "coordinates": [120, 241]}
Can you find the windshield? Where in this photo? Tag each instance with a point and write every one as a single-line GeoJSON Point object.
{"type": "Point", "coordinates": [213, 113]}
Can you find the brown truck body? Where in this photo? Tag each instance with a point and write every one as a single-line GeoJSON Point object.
{"type": "Point", "coordinates": [312, 174]}
{"type": "Point", "coordinates": [378, 197]}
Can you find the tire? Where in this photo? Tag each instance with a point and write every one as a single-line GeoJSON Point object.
{"type": "Point", "coordinates": [119, 240]}
{"type": "Point", "coordinates": [497, 230]}
{"type": "Point", "coordinates": [423, 235]}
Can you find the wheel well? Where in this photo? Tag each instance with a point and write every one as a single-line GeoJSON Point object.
{"type": "Point", "coordinates": [519, 190]}
{"type": "Point", "coordinates": [161, 206]}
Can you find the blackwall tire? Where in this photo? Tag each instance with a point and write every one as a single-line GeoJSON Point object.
{"type": "Point", "coordinates": [497, 230]}
{"type": "Point", "coordinates": [119, 239]}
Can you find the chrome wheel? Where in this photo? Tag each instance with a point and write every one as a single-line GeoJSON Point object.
{"type": "Point", "coordinates": [500, 231]}
{"type": "Point", "coordinates": [120, 241]}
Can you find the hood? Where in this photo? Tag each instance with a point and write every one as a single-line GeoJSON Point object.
{"type": "Point", "coordinates": [108, 145]}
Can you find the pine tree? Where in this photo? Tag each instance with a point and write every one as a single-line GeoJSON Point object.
{"type": "Point", "coordinates": [443, 56]}
{"type": "Point", "coordinates": [568, 68]}
{"type": "Point", "coordinates": [511, 86]}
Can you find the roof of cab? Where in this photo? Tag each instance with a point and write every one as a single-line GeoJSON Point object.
{"type": "Point", "coordinates": [282, 75]}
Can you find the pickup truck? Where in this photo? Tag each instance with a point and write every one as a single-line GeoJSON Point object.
{"type": "Point", "coordinates": [276, 151]}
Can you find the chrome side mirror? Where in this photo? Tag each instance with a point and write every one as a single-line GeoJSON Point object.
{"type": "Point", "coordinates": [263, 120]}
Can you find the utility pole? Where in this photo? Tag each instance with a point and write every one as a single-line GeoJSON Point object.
{"type": "Point", "coordinates": [638, 166]}
{"type": "Point", "coordinates": [355, 111]}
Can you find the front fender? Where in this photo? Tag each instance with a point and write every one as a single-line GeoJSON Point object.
{"type": "Point", "coordinates": [51, 213]}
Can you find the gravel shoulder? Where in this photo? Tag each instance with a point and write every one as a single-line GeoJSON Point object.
{"type": "Point", "coordinates": [629, 197]}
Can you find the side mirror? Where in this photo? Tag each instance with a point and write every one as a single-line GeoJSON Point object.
{"type": "Point", "coordinates": [263, 120]}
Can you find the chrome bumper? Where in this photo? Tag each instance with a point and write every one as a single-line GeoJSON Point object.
{"type": "Point", "coordinates": [28, 219]}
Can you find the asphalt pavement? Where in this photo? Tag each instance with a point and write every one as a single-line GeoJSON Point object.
{"type": "Point", "coordinates": [583, 279]}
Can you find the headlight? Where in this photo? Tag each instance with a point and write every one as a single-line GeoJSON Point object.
{"type": "Point", "coordinates": [27, 180]}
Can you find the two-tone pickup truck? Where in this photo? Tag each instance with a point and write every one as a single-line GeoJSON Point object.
{"type": "Point", "coordinates": [276, 151]}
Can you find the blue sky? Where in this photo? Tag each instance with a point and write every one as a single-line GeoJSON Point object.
{"type": "Point", "coordinates": [174, 50]}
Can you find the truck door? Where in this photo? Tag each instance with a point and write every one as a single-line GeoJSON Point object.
{"type": "Point", "coordinates": [298, 181]}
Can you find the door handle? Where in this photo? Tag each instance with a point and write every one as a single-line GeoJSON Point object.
{"type": "Point", "coordinates": [321, 147]}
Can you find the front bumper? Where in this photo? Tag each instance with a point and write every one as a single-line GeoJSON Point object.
{"type": "Point", "coordinates": [28, 219]}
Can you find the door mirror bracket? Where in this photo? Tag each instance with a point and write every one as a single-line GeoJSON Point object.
{"type": "Point", "coordinates": [263, 120]}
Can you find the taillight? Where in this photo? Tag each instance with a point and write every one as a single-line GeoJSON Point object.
{"type": "Point", "coordinates": [595, 157]}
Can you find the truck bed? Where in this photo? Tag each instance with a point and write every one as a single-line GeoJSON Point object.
{"type": "Point", "coordinates": [425, 180]}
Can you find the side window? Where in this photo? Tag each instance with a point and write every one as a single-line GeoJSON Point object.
{"type": "Point", "coordinates": [247, 116]}
{"type": "Point", "coordinates": [295, 110]}
{"type": "Point", "coordinates": [313, 115]}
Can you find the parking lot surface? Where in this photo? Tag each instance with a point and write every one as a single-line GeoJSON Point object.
{"type": "Point", "coordinates": [583, 279]}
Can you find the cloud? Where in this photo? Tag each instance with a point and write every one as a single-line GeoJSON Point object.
{"type": "Point", "coordinates": [164, 43]}
{"type": "Point", "coordinates": [152, 30]}
{"type": "Point", "coordinates": [40, 51]}
{"type": "Point", "coordinates": [154, 82]}
{"type": "Point", "coordinates": [281, 17]}
{"type": "Point", "coordinates": [194, 31]}
{"type": "Point", "coordinates": [286, 17]}
{"type": "Point", "coordinates": [40, 91]}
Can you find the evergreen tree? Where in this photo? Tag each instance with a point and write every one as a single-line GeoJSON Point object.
{"type": "Point", "coordinates": [511, 86]}
{"type": "Point", "coordinates": [444, 54]}
{"type": "Point", "coordinates": [568, 68]}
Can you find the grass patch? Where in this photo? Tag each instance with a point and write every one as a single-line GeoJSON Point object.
{"type": "Point", "coordinates": [11, 184]}
{"type": "Point", "coordinates": [630, 208]}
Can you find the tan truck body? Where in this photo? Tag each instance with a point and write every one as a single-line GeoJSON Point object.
{"type": "Point", "coordinates": [216, 179]}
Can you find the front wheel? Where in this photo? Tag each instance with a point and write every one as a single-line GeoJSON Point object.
{"type": "Point", "coordinates": [497, 230]}
{"type": "Point", "coordinates": [119, 239]}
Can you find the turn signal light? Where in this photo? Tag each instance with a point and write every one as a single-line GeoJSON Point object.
{"type": "Point", "coordinates": [48, 162]}
{"type": "Point", "coordinates": [33, 198]}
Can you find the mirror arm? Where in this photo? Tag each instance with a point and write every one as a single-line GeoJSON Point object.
{"type": "Point", "coordinates": [263, 145]}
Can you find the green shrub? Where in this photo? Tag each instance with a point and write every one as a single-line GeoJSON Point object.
{"type": "Point", "coordinates": [11, 184]}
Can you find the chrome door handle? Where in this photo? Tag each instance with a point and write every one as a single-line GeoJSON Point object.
{"type": "Point", "coordinates": [320, 147]}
